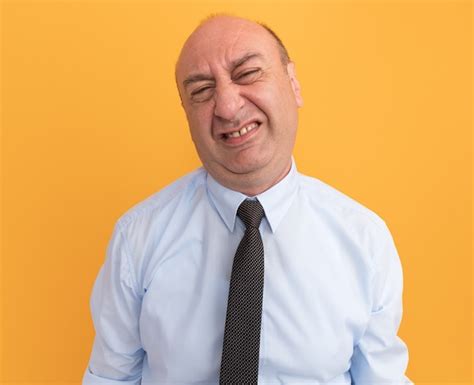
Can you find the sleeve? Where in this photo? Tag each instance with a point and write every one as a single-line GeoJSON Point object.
{"type": "Point", "coordinates": [117, 353]}
{"type": "Point", "coordinates": [380, 356]}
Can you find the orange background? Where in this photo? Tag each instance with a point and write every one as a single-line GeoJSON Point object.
{"type": "Point", "coordinates": [92, 124]}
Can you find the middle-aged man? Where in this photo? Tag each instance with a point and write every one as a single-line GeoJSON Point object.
{"type": "Point", "coordinates": [246, 271]}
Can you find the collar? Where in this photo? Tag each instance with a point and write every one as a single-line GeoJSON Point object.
{"type": "Point", "coordinates": [275, 201]}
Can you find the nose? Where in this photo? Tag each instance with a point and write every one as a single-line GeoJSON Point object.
{"type": "Point", "coordinates": [228, 101]}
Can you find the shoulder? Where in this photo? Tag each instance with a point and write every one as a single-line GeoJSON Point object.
{"type": "Point", "coordinates": [161, 216]}
{"type": "Point", "coordinates": [330, 201]}
{"type": "Point", "coordinates": [166, 200]}
{"type": "Point", "coordinates": [358, 225]}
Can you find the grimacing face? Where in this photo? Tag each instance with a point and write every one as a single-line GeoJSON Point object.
{"type": "Point", "coordinates": [240, 101]}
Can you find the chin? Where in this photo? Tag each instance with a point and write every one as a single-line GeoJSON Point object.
{"type": "Point", "coordinates": [249, 163]}
{"type": "Point", "coordinates": [249, 167]}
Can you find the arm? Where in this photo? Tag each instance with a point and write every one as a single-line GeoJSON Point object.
{"type": "Point", "coordinates": [117, 354]}
{"type": "Point", "coordinates": [380, 356]}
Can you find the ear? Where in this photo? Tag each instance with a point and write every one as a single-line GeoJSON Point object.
{"type": "Point", "coordinates": [290, 67]}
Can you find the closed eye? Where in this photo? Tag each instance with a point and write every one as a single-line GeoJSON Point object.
{"type": "Point", "coordinates": [202, 93]}
{"type": "Point", "coordinates": [248, 76]}
{"type": "Point", "coordinates": [199, 90]}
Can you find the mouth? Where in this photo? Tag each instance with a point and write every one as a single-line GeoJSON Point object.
{"type": "Point", "coordinates": [240, 133]}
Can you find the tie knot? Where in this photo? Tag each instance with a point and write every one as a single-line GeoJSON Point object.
{"type": "Point", "coordinates": [251, 213]}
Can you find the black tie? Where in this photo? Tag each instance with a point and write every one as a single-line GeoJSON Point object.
{"type": "Point", "coordinates": [240, 355]}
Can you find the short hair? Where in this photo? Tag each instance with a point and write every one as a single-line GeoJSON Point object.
{"type": "Point", "coordinates": [285, 57]}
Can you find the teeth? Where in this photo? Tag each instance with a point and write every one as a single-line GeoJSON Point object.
{"type": "Point", "coordinates": [243, 131]}
{"type": "Point", "coordinates": [250, 127]}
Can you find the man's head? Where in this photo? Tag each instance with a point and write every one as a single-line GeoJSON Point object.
{"type": "Point", "coordinates": [241, 98]}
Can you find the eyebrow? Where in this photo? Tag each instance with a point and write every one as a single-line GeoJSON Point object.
{"type": "Point", "coordinates": [234, 64]}
{"type": "Point", "coordinates": [243, 59]}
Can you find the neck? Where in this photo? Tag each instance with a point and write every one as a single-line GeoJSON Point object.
{"type": "Point", "coordinates": [251, 185]}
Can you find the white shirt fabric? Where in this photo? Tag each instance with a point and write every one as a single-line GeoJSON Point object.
{"type": "Point", "coordinates": [332, 299]}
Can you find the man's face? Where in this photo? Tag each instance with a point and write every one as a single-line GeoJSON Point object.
{"type": "Point", "coordinates": [240, 101]}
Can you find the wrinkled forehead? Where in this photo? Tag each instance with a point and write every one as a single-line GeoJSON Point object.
{"type": "Point", "coordinates": [221, 42]}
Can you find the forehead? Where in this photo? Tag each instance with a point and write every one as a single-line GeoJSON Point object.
{"type": "Point", "coordinates": [220, 42]}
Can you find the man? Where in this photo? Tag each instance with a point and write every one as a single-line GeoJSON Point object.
{"type": "Point", "coordinates": [246, 271]}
